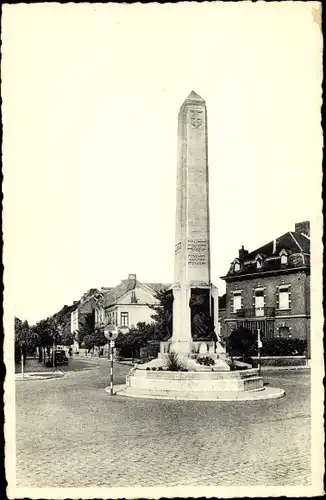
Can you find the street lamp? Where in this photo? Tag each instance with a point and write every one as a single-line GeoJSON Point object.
{"type": "Point", "coordinates": [260, 345]}
{"type": "Point", "coordinates": [111, 333]}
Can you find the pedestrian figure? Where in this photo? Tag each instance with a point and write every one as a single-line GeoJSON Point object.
{"type": "Point", "coordinates": [70, 351]}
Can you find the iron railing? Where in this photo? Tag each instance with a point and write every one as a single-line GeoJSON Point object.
{"type": "Point", "coordinates": [256, 312]}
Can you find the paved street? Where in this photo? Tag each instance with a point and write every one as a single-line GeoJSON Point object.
{"type": "Point", "coordinates": [71, 433]}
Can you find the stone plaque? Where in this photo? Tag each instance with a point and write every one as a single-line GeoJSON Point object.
{"type": "Point", "coordinates": [197, 252]}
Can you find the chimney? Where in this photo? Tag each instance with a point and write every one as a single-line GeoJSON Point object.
{"type": "Point", "coordinates": [242, 253]}
{"type": "Point", "coordinates": [303, 228]}
{"type": "Point", "coordinates": [131, 281]}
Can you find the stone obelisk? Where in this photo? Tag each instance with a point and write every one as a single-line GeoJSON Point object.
{"type": "Point", "coordinates": [192, 242]}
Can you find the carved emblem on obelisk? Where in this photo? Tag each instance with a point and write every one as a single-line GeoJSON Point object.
{"type": "Point", "coordinates": [196, 118]}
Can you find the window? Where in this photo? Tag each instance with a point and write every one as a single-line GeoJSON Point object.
{"type": "Point", "coordinates": [124, 319]}
{"type": "Point", "coordinates": [284, 297]}
{"type": "Point", "coordinates": [237, 266]}
{"type": "Point", "coordinates": [284, 259]}
{"type": "Point", "coordinates": [237, 301]}
{"type": "Point", "coordinates": [259, 263]}
{"type": "Point", "coordinates": [259, 302]}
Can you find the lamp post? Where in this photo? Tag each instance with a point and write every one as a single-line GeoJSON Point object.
{"type": "Point", "coordinates": [111, 333]}
{"type": "Point", "coordinates": [260, 345]}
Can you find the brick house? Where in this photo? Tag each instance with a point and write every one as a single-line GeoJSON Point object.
{"type": "Point", "coordinates": [269, 288]}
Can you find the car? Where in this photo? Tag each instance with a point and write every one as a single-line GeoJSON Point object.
{"type": "Point", "coordinates": [60, 357]}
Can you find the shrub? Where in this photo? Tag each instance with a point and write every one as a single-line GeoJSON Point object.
{"type": "Point", "coordinates": [206, 361]}
{"type": "Point", "coordinates": [241, 342]}
{"type": "Point", "coordinates": [283, 347]}
{"type": "Point", "coordinates": [173, 363]}
{"type": "Point", "coordinates": [148, 368]}
{"type": "Point", "coordinates": [160, 368]}
{"type": "Point", "coordinates": [154, 368]}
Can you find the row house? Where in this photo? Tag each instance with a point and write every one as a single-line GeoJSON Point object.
{"type": "Point", "coordinates": [269, 288]}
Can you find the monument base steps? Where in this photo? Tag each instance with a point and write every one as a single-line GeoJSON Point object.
{"type": "Point", "coordinates": [258, 394]}
{"type": "Point", "coordinates": [206, 385]}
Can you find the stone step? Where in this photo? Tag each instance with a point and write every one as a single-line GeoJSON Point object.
{"type": "Point", "coordinates": [258, 394]}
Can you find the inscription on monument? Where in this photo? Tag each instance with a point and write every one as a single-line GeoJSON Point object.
{"type": "Point", "coordinates": [196, 118]}
{"type": "Point", "coordinates": [197, 252]}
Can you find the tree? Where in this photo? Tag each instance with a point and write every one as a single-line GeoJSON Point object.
{"type": "Point", "coordinates": [241, 342]}
{"type": "Point", "coordinates": [67, 338]}
{"type": "Point", "coordinates": [129, 344]}
{"type": "Point", "coordinates": [86, 326]}
{"type": "Point", "coordinates": [99, 338]}
{"type": "Point", "coordinates": [50, 332]}
{"type": "Point", "coordinates": [95, 339]}
{"type": "Point", "coordinates": [26, 339]}
{"type": "Point", "coordinates": [163, 315]}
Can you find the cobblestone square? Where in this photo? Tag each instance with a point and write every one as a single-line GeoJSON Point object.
{"type": "Point", "coordinates": [71, 433]}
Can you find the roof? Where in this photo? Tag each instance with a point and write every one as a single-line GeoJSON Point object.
{"type": "Point", "coordinates": [292, 241]}
{"type": "Point", "coordinates": [296, 245]}
{"type": "Point", "coordinates": [115, 293]}
{"type": "Point", "coordinates": [157, 287]}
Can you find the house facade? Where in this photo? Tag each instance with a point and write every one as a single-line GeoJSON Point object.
{"type": "Point", "coordinates": [81, 308]}
{"type": "Point", "coordinates": [128, 303]}
{"type": "Point", "coordinates": [269, 288]}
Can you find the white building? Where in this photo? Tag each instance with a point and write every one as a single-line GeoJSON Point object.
{"type": "Point", "coordinates": [128, 303]}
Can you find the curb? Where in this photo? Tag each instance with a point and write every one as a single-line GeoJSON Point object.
{"type": "Point", "coordinates": [39, 376]}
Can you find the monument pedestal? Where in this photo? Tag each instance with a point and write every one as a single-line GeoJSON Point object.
{"type": "Point", "coordinates": [205, 385]}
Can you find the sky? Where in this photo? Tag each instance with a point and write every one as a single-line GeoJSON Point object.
{"type": "Point", "coordinates": [91, 95]}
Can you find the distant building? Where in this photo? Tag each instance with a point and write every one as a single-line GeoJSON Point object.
{"type": "Point", "coordinates": [269, 288]}
{"type": "Point", "coordinates": [128, 303]}
{"type": "Point", "coordinates": [81, 308]}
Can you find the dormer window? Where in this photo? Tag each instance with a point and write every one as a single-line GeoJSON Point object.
{"type": "Point", "coordinates": [284, 257]}
{"type": "Point", "coordinates": [259, 261]}
{"type": "Point", "coordinates": [237, 267]}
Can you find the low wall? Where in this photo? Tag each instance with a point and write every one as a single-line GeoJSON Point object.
{"type": "Point", "coordinates": [281, 360]}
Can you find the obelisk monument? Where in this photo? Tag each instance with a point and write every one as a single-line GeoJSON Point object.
{"type": "Point", "coordinates": [192, 241]}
